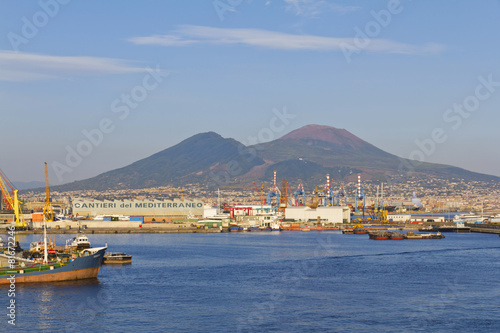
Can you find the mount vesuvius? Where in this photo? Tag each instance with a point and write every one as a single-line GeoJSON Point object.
{"type": "Point", "coordinates": [306, 155]}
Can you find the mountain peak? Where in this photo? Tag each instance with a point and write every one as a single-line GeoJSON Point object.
{"type": "Point", "coordinates": [324, 133]}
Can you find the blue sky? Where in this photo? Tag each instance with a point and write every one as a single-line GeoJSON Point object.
{"type": "Point", "coordinates": [90, 86]}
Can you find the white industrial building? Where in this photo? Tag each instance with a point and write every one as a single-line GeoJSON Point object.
{"type": "Point", "coordinates": [149, 209]}
{"type": "Point", "coordinates": [326, 214]}
{"type": "Point", "coordinates": [398, 217]}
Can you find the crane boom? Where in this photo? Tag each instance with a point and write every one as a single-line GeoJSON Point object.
{"type": "Point", "coordinates": [5, 191]}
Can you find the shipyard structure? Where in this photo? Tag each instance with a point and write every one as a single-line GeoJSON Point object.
{"type": "Point", "coordinates": [151, 210]}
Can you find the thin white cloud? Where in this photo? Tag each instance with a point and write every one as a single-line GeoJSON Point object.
{"type": "Point", "coordinates": [313, 8]}
{"type": "Point", "coordinates": [191, 35]}
{"type": "Point", "coordinates": [18, 66]}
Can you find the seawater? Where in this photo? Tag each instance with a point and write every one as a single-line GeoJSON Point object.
{"type": "Point", "coordinates": [273, 282]}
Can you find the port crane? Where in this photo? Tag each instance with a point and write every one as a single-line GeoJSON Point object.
{"type": "Point", "coordinates": [12, 203]}
{"type": "Point", "coordinates": [297, 194]}
{"type": "Point", "coordinates": [315, 199]}
{"type": "Point", "coordinates": [324, 195]}
{"type": "Point", "coordinates": [9, 202]}
{"type": "Point", "coordinates": [340, 194]}
{"type": "Point", "coordinates": [284, 200]}
{"type": "Point", "coordinates": [380, 214]}
{"type": "Point", "coordinates": [48, 212]}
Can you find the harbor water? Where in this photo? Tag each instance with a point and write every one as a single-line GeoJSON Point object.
{"type": "Point", "coordinates": [272, 282]}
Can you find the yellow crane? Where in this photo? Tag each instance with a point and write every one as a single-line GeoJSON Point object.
{"type": "Point", "coordinates": [20, 223]}
{"type": "Point", "coordinates": [48, 212]}
{"type": "Point", "coordinates": [5, 191]}
{"type": "Point", "coordinates": [315, 199]}
{"type": "Point", "coordinates": [12, 203]}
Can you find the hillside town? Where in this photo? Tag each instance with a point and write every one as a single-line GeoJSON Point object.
{"type": "Point", "coordinates": [433, 194]}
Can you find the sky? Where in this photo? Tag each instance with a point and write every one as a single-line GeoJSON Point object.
{"type": "Point", "coordinates": [91, 86]}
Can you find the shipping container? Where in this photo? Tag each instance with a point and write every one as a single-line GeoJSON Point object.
{"type": "Point", "coordinates": [37, 217]}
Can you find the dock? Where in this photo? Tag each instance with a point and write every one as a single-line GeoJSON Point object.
{"type": "Point", "coordinates": [159, 228]}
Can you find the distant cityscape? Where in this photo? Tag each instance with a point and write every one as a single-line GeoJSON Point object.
{"type": "Point", "coordinates": [435, 194]}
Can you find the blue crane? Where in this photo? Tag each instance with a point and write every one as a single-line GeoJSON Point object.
{"type": "Point", "coordinates": [300, 192]}
{"type": "Point", "coordinates": [341, 193]}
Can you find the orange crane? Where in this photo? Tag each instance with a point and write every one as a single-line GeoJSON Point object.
{"type": "Point", "coordinates": [284, 196]}
{"type": "Point", "coordinates": [48, 212]}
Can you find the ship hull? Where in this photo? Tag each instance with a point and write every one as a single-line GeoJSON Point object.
{"type": "Point", "coordinates": [86, 267]}
{"type": "Point", "coordinates": [80, 274]}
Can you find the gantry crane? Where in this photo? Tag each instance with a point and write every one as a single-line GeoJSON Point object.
{"type": "Point", "coordinates": [340, 194]}
{"type": "Point", "coordinates": [48, 212]}
{"type": "Point", "coordinates": [300, 192]}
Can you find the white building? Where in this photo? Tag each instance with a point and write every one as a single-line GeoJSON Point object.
{"type": "Point", "coordinates": [398, 217]}
{"type": "Point", "coordinates": [151, 208]}
{"type": "Point", "coordinates": [326, 214]}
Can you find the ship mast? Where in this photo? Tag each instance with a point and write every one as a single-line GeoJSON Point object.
{"type": "Point", "coordinates": [45, 253]}
{"type": "Point", "coordinates": [48, 215]}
